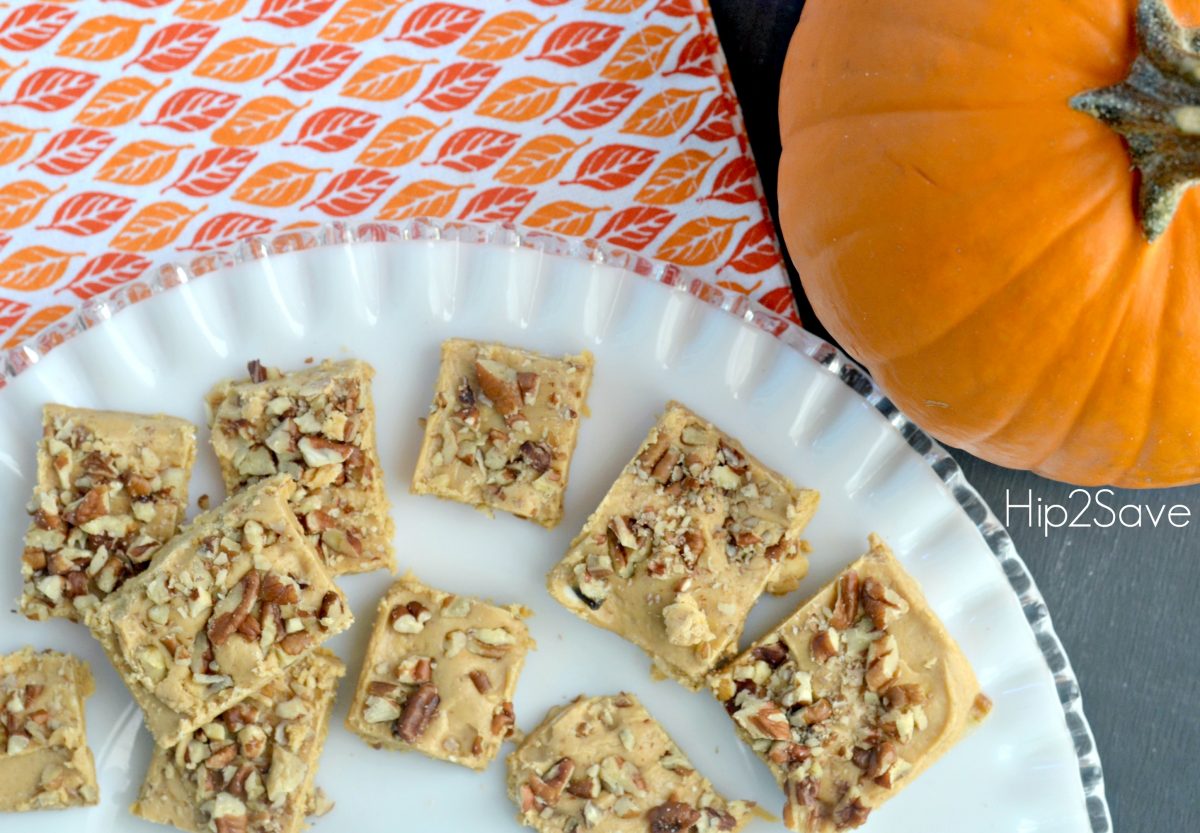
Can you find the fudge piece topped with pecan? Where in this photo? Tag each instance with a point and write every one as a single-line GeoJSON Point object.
{"type": "Point", "coordinates": [683, 544]}
{"type": "Point", "coordinates": [45, 762]}
{"type": "Point", "coordinates": [502, 429]}
{"type": "Point", "coordinates": [318, 426]}
{"type": "Point", "coordinates": [227, 605]}
{"type": "Point", "coordinates": [853, 695]}
{"type": "Point", "coordinates": [604, 764]}
{"type": "Point", "coordinates": [111, 489]}
{"type": "Point", "coordinates": [251, 769]}
{"type": "Point", "coordinates": [440, 674]}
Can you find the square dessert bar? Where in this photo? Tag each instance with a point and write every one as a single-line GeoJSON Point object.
{"type": "Point", "coordinates": [853, 695]}
{"type": "Point", "coordinates": [227, 605]}
{"type": "Point", "coordinates": [683, 544]}
{"type": "Point", "coordinates": [439, 675]}
{"type": "Point", "coordinates": [317, 425]}
{"type": "Point", "coordinates": [502, 429]}
{"type": "Point", "coordinates": [111, 489]}
{"type": "Point", "coordinates": [604, 764]}
{"type": "Point", "coordinates": [251, 769]}
{"type": "Point", "coordinates": [45, 763]}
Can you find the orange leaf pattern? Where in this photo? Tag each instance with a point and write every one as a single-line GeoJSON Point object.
{"type": "Point", "coordinates": [278, 184]}
{"type": "Point", "coordinates": [385, 78]}
{"type": "Point", "coordinates": [138, 130]}
{"type": "Point", "coordinates": [153, 227]}
{"type": "Point", "coordinates": [699, 241]}
{"type": "Point", "coordinates": [118, 102]}
{"type": "Point", "coordinates": [101, 38]}
{"type": "Point", "coordinates": [140, 163]}
{"type": "Point", "coordinates": [521, 99]}
{"type": "Point", "coordinates": [359, 20]}
{"type": "Point", "coordinates": [242, 59]}
{"type": "Point", "coordinates": [539, 160]}
{"type": "Point", "coordinates": [564, 217]}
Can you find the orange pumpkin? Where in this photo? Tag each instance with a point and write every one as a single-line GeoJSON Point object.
{"type": "Point", "coordinates": [1016, 263]}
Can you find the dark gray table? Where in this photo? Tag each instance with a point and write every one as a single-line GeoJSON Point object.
{"type": "Point", "coordinates": [1124, 601]}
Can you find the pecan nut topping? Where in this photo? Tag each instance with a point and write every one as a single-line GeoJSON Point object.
{"type": "Point", "coordinates": [672, 817]}
{"type": "Point", "coordinates": [419, 711]}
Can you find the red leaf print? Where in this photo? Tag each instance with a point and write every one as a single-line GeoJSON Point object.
{"type": "Point", "coordinates": [352, 191]}
{"type": "Point", "coordinates": [29, 26]}
{"type": "Point", "coordinates": [475, 148]}
{"type": "Point", "coordinates": [11, 312]}
{"type": "Point", "coordinates": [103, 272]}
{"type": "Point", "coordinates": [578, 43]}
{"type": "Point", "coordinates": [90, 212]}
{"type": "Point", "coordinates": [72, 150]}
{"type": "Point", "coordinates": [757, 251]}
{"type": "Point", "coordinates": [716, 122]}
{"type": "Point", "coordinates": [225, 229]}
{"type": "Point", "coordinates": [315, 66]}
{"type": "Point", "coordinates": [696, 57]}
{"type": "Point", "coordinates": [147, 4]}
{"type": "Point", "coordinates": [612, 167]}
{"type": "Point", "coordinates": [596, 105]}
{"type": "Point", "coordinates": [334, 129]}
{"type": "Point", "coordinates": [212, 171]}
{"type": "Point", "coordinates": [496, 205]}
{"type": "Point", "coordinates": [674, 8]}
{"type": "Point", "coordinates": [194, 109]}
{"type": "Point", "coordinates": [457, 85]}
{"type": "Point", "coordinates": [735, 182]}
{"type": "Point", "coordinates": [52, 89]}
{"type": "Point", "coordinates": [779, 300]}
{"type": "Point", "coordinates": [174, 46]}
{"type": "Point", "coordinates": [292, 13]}
{"type": "Point", "coordinates": [549, 2]}
{"type": "Point", "coordinates": [438, 24]}
{"type": "Point", "coordinates": [634, 228]}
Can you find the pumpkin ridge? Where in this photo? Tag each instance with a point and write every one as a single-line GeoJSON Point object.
{"type": "Point", "coordinates": [1117, 469]}
{"type": "Point", "coordinates": [1017, 273]}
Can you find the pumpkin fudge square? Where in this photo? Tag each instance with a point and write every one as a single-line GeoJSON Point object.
{"type": "Point", "coordinates": [502, 429]}
{"type": "Point", "coordinates": [604, 764]}
{"type": "Point", "coordinates": [851, 697]}
{"type": "Point", "coordinates": [440, 674]}
{"type": "Point", "coordinates": [228, 604]}
{"type": "Point", "coordinates": [318, 426]}
{"type": "Point", "coordinates": [251, 769]}
{"type": "Point", "coordinates": [683, 544]}
{"type": "Point", "coordinates": [45, 763]}
{"type": "Point", "coordinates": [111, 489]}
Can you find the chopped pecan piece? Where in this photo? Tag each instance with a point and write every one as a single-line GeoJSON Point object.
{"type": "Point", "coordinates": [825, 645]}
{"type": "Point", "coordinates": [499, 384]}
{"type": "Point", "coordinates": [503, 721]}
{"type": "Point", "coordinates": [419, 711]}
{"type": "Point", "coordinates": [845, 610]}
{"type": "Point", "coordinates": [850, 815]}
{"type": "Point", "coordinates": [257, 372]}
{"type": "Point", "coordinates": [483, 683]}
{"type": "Point", "coordinates": [295, 643]}
{"type": "Point", "coordinates": [774, 655]}
{"type": "Point", "coordinates": [222, 627]}
{"type": "Point", "coordinates": [672, 817]}
{"type": "Point", "coordinates": [537, 455]}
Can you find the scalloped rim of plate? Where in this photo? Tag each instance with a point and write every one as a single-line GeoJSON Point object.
{"type": "Point", "coordinates": [169, 275]}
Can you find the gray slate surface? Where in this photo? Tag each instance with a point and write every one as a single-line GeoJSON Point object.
{"type": "Point", "coordinates": [1124, 601]}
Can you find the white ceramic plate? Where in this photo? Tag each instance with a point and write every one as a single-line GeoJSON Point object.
{"type": "Point", "coordinates": [657, 335]}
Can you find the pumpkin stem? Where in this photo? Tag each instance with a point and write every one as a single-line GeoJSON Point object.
{"type": "Point", "coordinates": [1156, 109]}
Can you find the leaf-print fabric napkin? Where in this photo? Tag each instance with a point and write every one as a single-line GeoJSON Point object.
{"type": "Point", "coordinates": [134, 132]}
